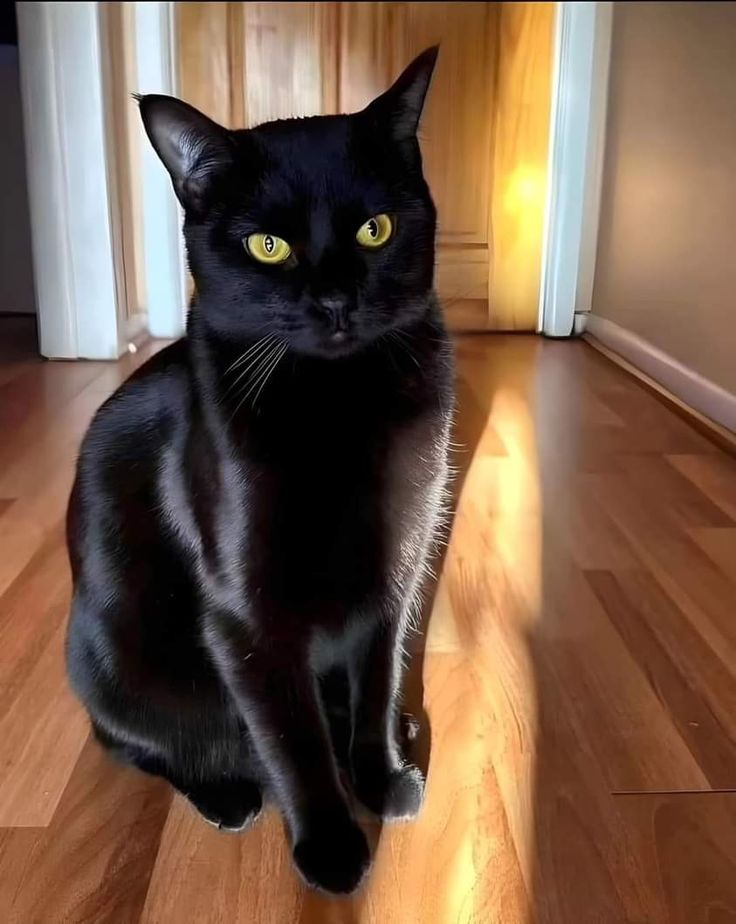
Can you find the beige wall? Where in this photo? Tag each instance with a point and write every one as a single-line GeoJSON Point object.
{"type": "Point", "coordinates": [666, 266]}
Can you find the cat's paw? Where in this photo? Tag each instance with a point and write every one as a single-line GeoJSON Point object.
{"type": "Point", "coordinates": [394, 796]}
{"type": "Point", "coordinates": [230, 805]}
{"type": "Point", "coordinates": [334, 857]}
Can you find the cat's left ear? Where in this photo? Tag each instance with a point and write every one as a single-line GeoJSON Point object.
{"type": "Point", "coordinates": [193, 148]}
{"type": "Point", "coordinates": [401, 105]}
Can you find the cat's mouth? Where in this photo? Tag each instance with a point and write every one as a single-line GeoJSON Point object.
{"type": "Point", "coordinates": [335, 344]}
{"type": "Point", "coordinates": [340, 343]}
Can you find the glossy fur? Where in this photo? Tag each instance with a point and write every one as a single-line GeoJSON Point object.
{"type": "Point", "coordinates": [253, 509]}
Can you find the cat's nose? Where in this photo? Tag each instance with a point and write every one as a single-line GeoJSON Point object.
{"type": "Point", "coordinates": [336, 308]}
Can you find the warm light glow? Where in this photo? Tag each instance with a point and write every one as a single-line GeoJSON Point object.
{"type": "Point", "coordinates": [525, 191]}
{"type": "Point", "coordinates": [488, 607]}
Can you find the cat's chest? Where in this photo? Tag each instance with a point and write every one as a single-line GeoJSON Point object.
{"type": "Point", "coordinates": [312, 468]}
{"type": "Point", "coordinates": [324, 522]}
{"type": "Point", "coordinates": [326, 485]}
{"type": "Point", "coordinates": [335, 456]}
{"type": "Point", "coordinates": [321, 499]}
{"type": "Point", "coordinates": [324, 437]}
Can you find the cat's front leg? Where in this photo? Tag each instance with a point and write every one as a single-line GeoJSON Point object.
{"type": "Point", "coordinates": [383, 780]}
{"type": "Point", "coordinates": [276, 693]}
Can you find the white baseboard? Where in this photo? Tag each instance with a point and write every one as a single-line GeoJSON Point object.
{"type": "Point", "coordinates": [691, 388]}
{"type": "Point", "coordinates": [581, 323]}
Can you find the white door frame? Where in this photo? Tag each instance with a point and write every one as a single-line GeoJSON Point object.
{"type": "Point", "coordinates": [62, 51]}
{"type": "Point", "coordinates": [165, 260]}
{"type": "Point", "coordinates": [61, 45]}
{"type": "Point", "coordinates": [577, 135]}
{"type": "Point", "coordinates": [68, 190]}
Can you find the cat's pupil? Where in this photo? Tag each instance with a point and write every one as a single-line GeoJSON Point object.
{"type": "Point", "coordinates": [268, 244]}
{"type": "Point", "coordinates": [373, 228]}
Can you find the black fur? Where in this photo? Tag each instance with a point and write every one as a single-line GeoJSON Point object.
{"type": "Point", "coordinates": [253, 508]}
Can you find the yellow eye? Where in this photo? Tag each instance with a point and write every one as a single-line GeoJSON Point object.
{"type": "Point", "coordinates": [375, 232]}
{"type": "Point", "coordinates": [266, 248]}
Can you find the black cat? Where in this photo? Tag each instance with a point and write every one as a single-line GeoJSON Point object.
{"type": "Point", "coordinates": [254, 507]}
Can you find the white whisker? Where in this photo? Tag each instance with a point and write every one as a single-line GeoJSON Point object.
{"type": "Point", "coordinates": [242, 356]}
{"type": "Point", "coordinates": [251, 349]}
{"type": "Point", "coordinates": [270, 372]}
{"type": "Point", "coordinates": [400, 343]}
{"type": "Point", "coordinates": [261, 364]}
{"type": "Point", "coordinates": [264, 350]}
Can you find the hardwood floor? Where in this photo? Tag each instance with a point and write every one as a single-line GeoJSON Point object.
{"type": "Point", "coordinates": [578, 673]}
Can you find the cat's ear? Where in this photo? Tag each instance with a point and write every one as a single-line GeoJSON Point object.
{"type": "Point", "coordinates": [401, 105]}
{"type": "Point", "coordinates": [193, 148]}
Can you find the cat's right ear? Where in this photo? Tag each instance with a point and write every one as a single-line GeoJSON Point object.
{"type": "Point", "coordinates": [400, 107]}
{"type": "Point", "coordinates": [193, 148]}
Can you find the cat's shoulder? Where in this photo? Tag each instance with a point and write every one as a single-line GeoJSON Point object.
{"type": "Point", "coordinates": [155, 400]}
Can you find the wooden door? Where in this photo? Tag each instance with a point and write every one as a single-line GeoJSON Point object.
{"type": "Point", "coordinates": [246, 63]}
{"type": "Point", "coordinates": [376, 41]}
{"type": "Point", "coordinates": [484, 132]}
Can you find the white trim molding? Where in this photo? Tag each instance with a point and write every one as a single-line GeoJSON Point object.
{"type": "Point", "coordinates": [689, 386]}
{"type": "Point", "coordinates": [165, 266]}
{"type": "Point", "coordinates": [577, 130]}
{"type": "Point", "coordinates": [69, 196]}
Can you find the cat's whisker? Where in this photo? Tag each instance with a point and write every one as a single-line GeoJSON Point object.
{"type": "Point", "coordinates": [404, 347]}
{"type": "Point", "coordinates": [253, 350]}
{"type": "Point", "coordinates": [243, 356]}
{"type": "Point", "coordinates": [256, 349]}
{"type": "Point", "coordinates": [266, 368]}
{"type": "Point", "coordinates": [254, 372]}
{"type": "Point", "coordinates": [254, 361]}
{"type": "Point", "coordinates": [254, 379]}
{"type": "Point", "coordinates": [270, 372]}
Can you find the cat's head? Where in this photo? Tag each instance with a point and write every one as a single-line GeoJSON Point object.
{"type": "Point", "coordinates": [317, 230]}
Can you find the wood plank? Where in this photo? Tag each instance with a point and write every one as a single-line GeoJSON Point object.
{"type": "Point", "coordinates": [685, 572]}
{"type": "Point", "coordinates": [288, 62]}
{"type": "Point", "coordinates": [42, 734]}
{"type": "Point", "coordinates": [94, 861]}
{"type": "Point", "coordinates": [32, 610]}
{"type": "Point", "coordinates": [584, 862]}
{"type": "Point", "coordinates": [696, 688]}
{"type": "Point", "coordinates": [17, 849]}
{"type": "Point", "coordinates": [605, 692]}
{"type": "Point", "coordinates": [714, 474]}
{"type": "Point", "coordinates": [466, 314]}
{"type": "Point", "coordinates": [684, 501]}
{"type": "Point", "coordinates": [202, 55]}
{"type": "Point", "coordinates": [720, 546]}
{"type": "Point", "coordinates": [368, 41]}
{"type": "Point", "coordinates": [686, 846]}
